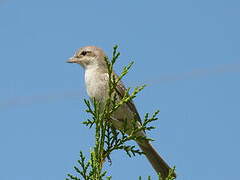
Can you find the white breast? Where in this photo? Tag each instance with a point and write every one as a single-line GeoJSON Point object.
{"type": "Point", "coordinates": [96, 83]}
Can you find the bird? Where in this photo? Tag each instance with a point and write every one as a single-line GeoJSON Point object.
{"type": "Point", "coordinates": [96, 75]}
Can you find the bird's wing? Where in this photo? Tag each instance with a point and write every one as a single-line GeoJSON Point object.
{"type": "Point", "coordinates": [120, 89]}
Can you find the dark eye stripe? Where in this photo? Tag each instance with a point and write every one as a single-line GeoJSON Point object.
{"type": "Point", "coordinates": [83, 53]}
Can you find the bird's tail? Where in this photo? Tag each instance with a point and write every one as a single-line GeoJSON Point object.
{"type": "Point", "coordinates": [155, 159]}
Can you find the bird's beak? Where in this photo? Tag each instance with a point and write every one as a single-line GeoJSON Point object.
{"type": "Point", "coordinates": [72, 60]}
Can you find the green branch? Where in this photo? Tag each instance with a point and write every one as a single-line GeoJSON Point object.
{"type": "Point", "coordinates": [107, 138]}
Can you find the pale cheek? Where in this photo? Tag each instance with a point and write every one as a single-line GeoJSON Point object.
{"type": "Point", "coordinates": [85, 63]}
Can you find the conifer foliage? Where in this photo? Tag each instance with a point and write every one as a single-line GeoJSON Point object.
{"type": "Point", "coordinates": [107, 138]}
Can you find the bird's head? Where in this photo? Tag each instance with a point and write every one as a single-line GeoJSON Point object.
{"type": "Point", "coordinates": [89, 56]}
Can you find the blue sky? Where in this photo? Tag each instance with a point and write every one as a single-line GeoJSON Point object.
{"type": "Point", "coordinates": [186, 51]}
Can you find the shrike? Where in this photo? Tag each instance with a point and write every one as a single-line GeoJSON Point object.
{"type": "Point", "coordinates": [92, 59]}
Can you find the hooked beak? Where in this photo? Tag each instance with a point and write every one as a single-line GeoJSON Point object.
{"type": "Point", "coordinates": [72, 60]}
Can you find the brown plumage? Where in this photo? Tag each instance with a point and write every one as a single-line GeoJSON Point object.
{"type": "Point", "coordinates": [92, 60]}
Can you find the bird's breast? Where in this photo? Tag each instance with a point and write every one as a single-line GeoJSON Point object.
{"type": "Point", "coordinates": [96, 84]}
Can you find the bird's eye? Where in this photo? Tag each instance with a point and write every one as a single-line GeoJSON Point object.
{"type": "Point", "coordinates": [83, 53]}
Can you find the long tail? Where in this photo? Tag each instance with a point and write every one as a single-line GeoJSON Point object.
{"type": "Point", "coordinates": [155, 159]}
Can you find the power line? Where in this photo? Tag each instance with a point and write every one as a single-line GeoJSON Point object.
{"type": "Point", "coordinates": [27, 100]}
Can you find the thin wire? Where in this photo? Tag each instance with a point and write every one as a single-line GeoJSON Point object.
{"type": "Point", "coordinates": [196, 73]}
{"type": "Point", "coordinates": [27, 100]}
